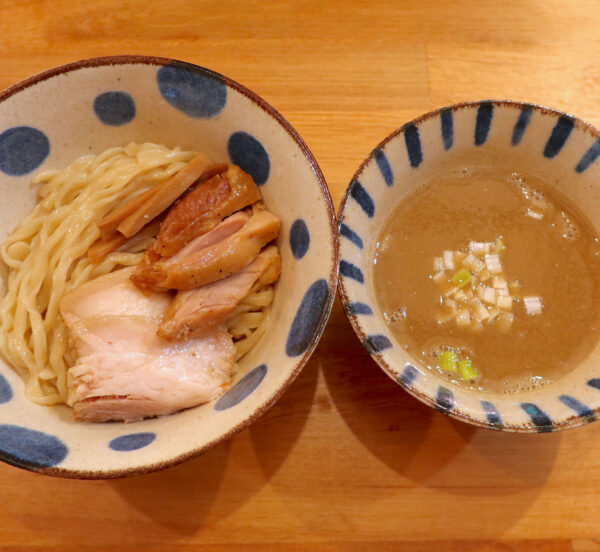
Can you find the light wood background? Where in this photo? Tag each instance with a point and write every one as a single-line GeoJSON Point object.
{"type": "Point", "coordinates": [345, 460]}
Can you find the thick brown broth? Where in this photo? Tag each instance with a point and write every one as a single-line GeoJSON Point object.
{"type": "Point", "coordinates": [556, 258]}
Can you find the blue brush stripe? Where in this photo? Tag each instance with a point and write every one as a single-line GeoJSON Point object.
{"type": "Point", "coordinates": [384, 166]}
{"type": "Point", "coordinates": [491, 413]}
{"type": "Point", "coordinates": [540, 419]}
{"type": "Point", "coordinates": [589, 157]}
{"type": "Point", "coordinates": [444, 399]}
{"type": "Point", "coordinates": [362, 197]}
{"type": "Point", "coordinates": [413, 145]}
{"type": "Point", "coordinates": [483, 122]}
{"type": "Point", "coordinates": [351, 271]}
{"type": "Point", "coordinates": [409, 375]}
{"type": "Point", "coordinates": [447, 122]}
{"type": "Point", "coordinates": [521, 124]}
{"type": "Point", "coordinates": [560, 134]}
{"type": "Point", "coordinates": [359, 308]}
{"type": "Point", "coordinates": [351, 235]}
{"type": "Point", "coordinates": [580, 408]}
{"type": "Point", "coordinates": [377, 343]}
{"type": "Point", "coordinates": [594, 382]}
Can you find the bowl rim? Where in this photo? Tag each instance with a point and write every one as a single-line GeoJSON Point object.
{"type": "Point", "coordinates": [528, 427]}
{"type": "Point", "coordinates": [126, 59]}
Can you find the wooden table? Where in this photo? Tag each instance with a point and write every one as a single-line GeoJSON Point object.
{"type": "Point", "coordinates": [346, 459]}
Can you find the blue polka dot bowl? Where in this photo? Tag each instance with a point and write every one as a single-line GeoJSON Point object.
{"type": "Point", "coordinates": [554, 146]}
{"type": "Point", "coordinates": [50, 120]}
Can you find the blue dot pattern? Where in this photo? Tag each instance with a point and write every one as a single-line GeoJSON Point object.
{"type": "Point", "coordinates": [359, 308]}
{"type": "Point", "coordinates": [6, 393]}
{"type": "Point", "coordinates": [581, 409]}
{"type": "Point", "coordinates": [444, 399]}
{"type": "Point", "coordinates": [194, 91]}
{"type": "Point", "coordinates": [377, 343]}
{"type": "Point", "coordinates": [483, 122]}
{"type": "Point", "coordinates": [114, 108]}
{"type": "Point", "coordinates": [521, 124]}
{"type": "Point", "coordinates": [413, 145]}
{"type": "Point", "coordinates": [307, 319]}
{"type": "Point", "coordinates": [30, 449]}
{"type": "Point", "coordinates": [409, 375]}
{"type": "Point", "coordinates": [594, 382]}
{"type": "Point", "coordinates": [242, 388]}
{"type": "Point", "coordinates": [349, 270]}
{"type": "Point", "coordinates": [362, 197]}
{"type": "Point", "coordinates": [540, 419]}
{"type": "Point", "coordinates": [133, 441]}
{"type": "Point", "coordinates": [351, 235]}
{"type": "Point", "coordinates": [384, 167]}
{"type": "Point", "coordinates": [22, 150]}
{"type": "Point", "coordinates": [491, 413]}
{"type": "Point", "coordinates": [299, 238]}
{"type": "Point", "coordinates": [247, 152]}
{"type": "Point", "coordinates": [589, 157]}
{"type": "Point", "coordinates": [447, 123]}
{"type": "Point", "coordinates": [560, 135]}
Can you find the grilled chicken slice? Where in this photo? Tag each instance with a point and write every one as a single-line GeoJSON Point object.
{"type": "Point", "coordinates": [205, 207]}
{"type": "Point", "coordinates": [142, 275]}
{"type": "Point", "coordinates": [124, 370]}
{"type": "Point", "coordinates": [196, 311]}
{"type": "Point", "coordinates": [204, 261]}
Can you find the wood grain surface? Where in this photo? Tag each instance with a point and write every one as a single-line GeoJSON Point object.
{"type": "Point", "coordinates": [345, 460]}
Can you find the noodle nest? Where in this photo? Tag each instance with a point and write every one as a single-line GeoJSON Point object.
{"type": "Point", "coordinates": [46, 257]}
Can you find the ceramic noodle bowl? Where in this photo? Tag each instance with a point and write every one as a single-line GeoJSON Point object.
{"type": "Point", "coordinates": [50, 120]}
{"type": "Point", "coordinates": [552, 146]}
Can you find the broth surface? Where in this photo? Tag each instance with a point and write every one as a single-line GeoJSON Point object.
{"type": "Point", "coordinates": [556, 258]}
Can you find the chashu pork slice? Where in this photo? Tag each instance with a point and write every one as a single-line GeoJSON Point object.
{"type": "Point", "coordinates": [197, 311]}
{"type": "Point", "coordinates": [124, 370]}
{"type": "Point", "coordinates": [112, 294]}
{"type": "Point", "coordinates": [204, 261]}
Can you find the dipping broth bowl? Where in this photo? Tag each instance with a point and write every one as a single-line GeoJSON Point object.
{"type": "Point", "coordinates": [48, 121]}
{"type": "Point", "coordinates": [553, 146]}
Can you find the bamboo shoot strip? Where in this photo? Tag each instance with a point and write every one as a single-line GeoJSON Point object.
{"type": "Point", "coordinates": [198, 169]}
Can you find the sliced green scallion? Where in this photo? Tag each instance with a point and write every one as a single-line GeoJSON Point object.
{"type": "Point", "coordinates": [467, 371]}
{"type": "Point", "coordinates": [461, 278]}
{"type": "Point", "coordinates": [448, 361]}
{"type": "Point", "coordinates": [500, 246]}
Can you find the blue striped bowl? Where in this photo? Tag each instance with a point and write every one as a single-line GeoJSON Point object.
{"type": "Point", "coordinates": [552, 145]}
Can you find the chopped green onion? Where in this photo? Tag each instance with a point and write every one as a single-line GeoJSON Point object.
{"type": "Point", "coordinates": [467, 371]}
{"type": "Point", "coordinates": [533, 305]}
{"type": "Point", "coordinates": [463, 317]}
{"type": "Point", "coordinates": [499, 282]}
{"type": "Point", "coordinates": [493, 264]}
{"type": "Point", "coordinates": [448, 259]}
{"type": "Point", "coordinates": [479, 248]}
{"type": "Point", "coordinates": [448, 361]}
{"type": "Point", "coordinates": [461, 278]}
{"type": "Point", "coordinates": [504, 302]}
{"type": "Point", "coordinates": [500, 247]}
